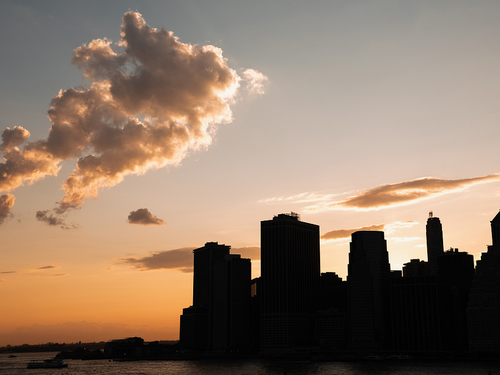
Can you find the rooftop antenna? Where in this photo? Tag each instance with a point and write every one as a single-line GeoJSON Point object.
{"type": "Point", "coordinates": [430, 214]}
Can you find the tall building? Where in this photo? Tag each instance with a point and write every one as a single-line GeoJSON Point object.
{"type": "Point", "coordinates": [231, 305]}
{"type": "Point", "coordinates": [435, 247]}
{"type": "Point", "coordinates": [197, 321]}
{"type": "Point", "coordinates": [290, 277]}
{"type": "Point", "coordinates": [483, 309]}
{"type": "Point", "coordinates": [368, 283]}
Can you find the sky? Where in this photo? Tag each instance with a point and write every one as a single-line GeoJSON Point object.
{"type": "Point", "coordinates": [133, 132]}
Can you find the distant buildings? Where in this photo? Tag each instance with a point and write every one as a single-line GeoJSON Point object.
{"type": "Point", "coordinates": [439, 306]}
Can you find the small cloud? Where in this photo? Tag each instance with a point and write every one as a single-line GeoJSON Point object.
{"type": "Point", "coordinates": [6, 204]}
{"type": "Point", "coordinates": [142, 216]}
{"type": "Point", "coordinates": [57, 274]}
{"type": "Point", "coordinates": [47, 267]}
{"type": "Point", "coordinates": [403, 193]}
{"type": "Point", "coordinates": [8, 272]}
{"type": "Point", "coordinates": [256, 81]}
{"type": "Point", "coordinates": [53, 219]}
{"type": "Point", "coordinates": [180, 259]}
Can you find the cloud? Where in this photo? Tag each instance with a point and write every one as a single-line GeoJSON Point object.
{"type": "Point", "coordinates": [402, 193]}
{"type": "Point", "coordinates": [8, 272]}
{"type": "Point", "coordinates": [346, 233]}
{"type": "Point", "coordinates": [53, 219]}
{"type": "Point", "coordinates": [181, 259]}
{"type": "Point", "coordinates": [6, 204]}
{"type": "Point", "coordinates": [255, 80]}
{"type": "Point", "coordinates": [47, 267]}
{"type": "Point", "coordinates": [142, 216]}
{"type": "Point", "coordinates": [13, 137]}
{"type": "Point", "coordinates": [300, 198]}
{"type": "Point", "coordinates": [387, 228]}
{"type": "Point", "coordinates": [151, 100]}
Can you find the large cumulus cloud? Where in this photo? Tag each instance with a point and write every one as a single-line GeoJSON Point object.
{"type": "Point", "coordinates": [149, 103]}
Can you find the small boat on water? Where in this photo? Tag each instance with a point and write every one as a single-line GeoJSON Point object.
{"type": "Point", "coordinates": [48, 363]}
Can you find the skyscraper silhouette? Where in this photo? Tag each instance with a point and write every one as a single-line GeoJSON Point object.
{"type": "Point", "coordinates": [435, 248]}
{"type": "Point", "coordinates": [197, 320]}
{"type": "Point", "coordinates": [290, 276]}
{"type": "Point", "coordinates": [483, 309]}
{"type": "Point", "coordinates": [368, 283]}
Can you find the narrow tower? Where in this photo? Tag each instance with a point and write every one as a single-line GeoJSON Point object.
{"type": "Point", "coordinates": [435, 245]}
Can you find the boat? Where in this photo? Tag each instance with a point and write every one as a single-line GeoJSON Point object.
{"type": "Point", "coordinates": [48, 363]}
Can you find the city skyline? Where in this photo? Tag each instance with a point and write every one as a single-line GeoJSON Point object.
{"type": "Point", "coordinates": [361, 116]}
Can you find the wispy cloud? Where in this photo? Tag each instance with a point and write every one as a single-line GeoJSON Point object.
{"type": "Point", "coordinates": [53, 219]}
{"type": "Point", "coordinates": [385, 196]}
{"type": "Point", "coordinates": [256, 81]}
{"type": "Point", "coordinates": [6, 204]}
{"type": "Point", "coordinates": [142, 216]}
{"type": "Point", "coordinates": [341, 234]}
{"type": "Point", "coordinates": [51, 267]}
{"type": "Point", "coordinates": [8, 272]}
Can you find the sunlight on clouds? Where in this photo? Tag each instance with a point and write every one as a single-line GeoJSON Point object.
{"type": "Point", "coordinates": [256, 81]}
{"type": "Point", "coordinates": [399, 194]}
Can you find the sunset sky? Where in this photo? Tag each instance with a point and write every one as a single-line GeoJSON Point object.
{"type": "Point", "coordinates": [135, 131]}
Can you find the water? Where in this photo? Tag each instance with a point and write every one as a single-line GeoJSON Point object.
{"type": "Point", "coordinates": [14, 366]}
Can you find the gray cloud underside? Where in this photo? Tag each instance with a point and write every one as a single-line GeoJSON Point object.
{"type": "Point", "coordinates": [142, 216]}
{"type": "Point", "coordinates": [181, 259]}
{"type": "Point", "coordinates": [50, 218]}
{"type": "Point", "coordinates": [346, 233]}
{"type": "Point", "coordinates": [47, 267]}
{"type": "Point", "coordinates": [402, 193]}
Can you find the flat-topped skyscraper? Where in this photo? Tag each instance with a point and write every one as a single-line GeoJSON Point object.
{"type": "Point", "coordinates": [435, 247]}
{"type": "Point", "coordinates": [290, 276]}
{"type": "Point", "coordinates": [368, 283]}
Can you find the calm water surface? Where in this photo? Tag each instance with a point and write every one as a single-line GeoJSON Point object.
{"type": "Point", "coordinates": [14, 366]}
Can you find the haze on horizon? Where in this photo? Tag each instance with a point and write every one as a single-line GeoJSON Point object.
{"type": "Point", "coordinates": [134, 134]}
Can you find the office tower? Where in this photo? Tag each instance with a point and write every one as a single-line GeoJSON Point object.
{"type": "Point", "coordinates": [290, 272]}
{"type": "Point", "coordinates": [457, 268]}
{"type": "Point", "coordinates": [483, 309]}
{"type": "Point", "coordinates": [330, 323]}
{"type": "Point", "coordinates": [255, 296]}
{"type": "Point", "coordinates": [423, 314]}
{"type": "Point", "coordinates": [231, 304]}
{"type": "Point", "coordinates": [197, 320]}
{"type": "Point", "coordinates": [368, 283]}
{"type": "Point", "coordinates": [415, 267]}
{"type": "Point", "coordinates": [435, 248]}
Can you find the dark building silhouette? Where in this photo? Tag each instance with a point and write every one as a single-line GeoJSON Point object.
{"type": "Point", "coordinates": [290, 272]}
{"type": "Point", "coordinates": [415, 267]}
{"type": "Point", "coordinates": [483, 309]}
{"type": "Point", "coordinates": [231, 305]}
{"type": "Point", "coordinates": [330, 324]}
{"type": "Point", "coordinates": [457, 268]}
{"type": "Point", "coordinates": [255, 291]}
{"type": "Point", "coordinates": [435, 247]}
{"type": "Point", "coordinates": [197, 321]}
{"type": "Point", "coordinates": [368, 282]}
{"type": "Point", "coordinates": [423, 314]}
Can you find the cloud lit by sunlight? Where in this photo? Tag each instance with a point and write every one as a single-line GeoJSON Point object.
{"type": "Point", "coordinates": [142, 216]}
{"type": "Point", "coordinates": [392, 195]}
{"type": "Point", "coordinates": [342, 234]}
{"type": "Point", "coordinates": [6, 203]}
{"type": "Point", "coordinates": [149, 103]}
